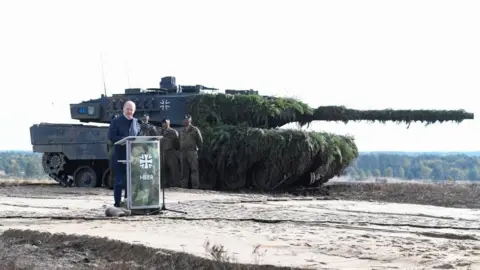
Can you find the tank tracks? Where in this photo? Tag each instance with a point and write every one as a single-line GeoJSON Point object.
{"type": "Point", "coordinates": [73, 174]}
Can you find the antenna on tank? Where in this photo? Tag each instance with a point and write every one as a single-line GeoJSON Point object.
{"type": "Point", "coordinates": [128, 75]}
{"type": "Point", "coordinates": [103, 75]}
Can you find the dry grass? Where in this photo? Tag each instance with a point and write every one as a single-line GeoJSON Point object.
{"type": "Point", "coordinates": [5, 182]}
{"type": "Point", "coordinates": [448, 195]}
{"type": "Point", "coordinates": [26, 249]}
{"type": "Point", "coordinates": [218, 252]}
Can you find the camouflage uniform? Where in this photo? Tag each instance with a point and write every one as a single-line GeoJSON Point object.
{"type": "Point", "coordinates": [170, 163]}
{"type": "Point", "coordinates": [190, 141]}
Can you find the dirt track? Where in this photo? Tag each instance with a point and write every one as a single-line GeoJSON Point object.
{"type": "Point", "coordinates": [259, 229]}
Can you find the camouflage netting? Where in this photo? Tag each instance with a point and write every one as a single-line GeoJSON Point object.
{"type": "Point", "coordinates": [267, 112]}
{"type": "Point", "coordinates": [266, 158]}
{"type": "Point", "coordinates": [237, 152]}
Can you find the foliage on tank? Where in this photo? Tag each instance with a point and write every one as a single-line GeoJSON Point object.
{"type": "Point", "coordinates": [266, 157]}
{"type": "Point", "coordinates": [265, 112]}
{"type": "Point", "coordinates": [242, 146]}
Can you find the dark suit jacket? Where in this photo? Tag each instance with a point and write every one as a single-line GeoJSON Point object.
{"type": "Point", "coordinates": [119, 129]}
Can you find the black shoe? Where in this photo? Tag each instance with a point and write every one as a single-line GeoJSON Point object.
{"type": "Point", "coordinates": [116, 205]}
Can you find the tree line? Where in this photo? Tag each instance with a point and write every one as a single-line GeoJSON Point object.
{"type": "Point", "coordinates": [367, 165]}
{"type": "Point", "coordinates": [22, 164]}
{"type": "Point", "coordinates": [423, 166]}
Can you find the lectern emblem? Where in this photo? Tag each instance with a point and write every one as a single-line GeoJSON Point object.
{"type": "Point", "coordinates": [146, 161]}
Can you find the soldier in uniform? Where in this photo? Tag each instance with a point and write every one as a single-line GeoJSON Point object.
{"type": "Point", "coordinates": [170, 145]}
{"type": "Point", "coordinates": [190, 142]}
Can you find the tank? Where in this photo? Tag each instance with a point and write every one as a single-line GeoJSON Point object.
{"type": "Point", "coordinates": [244, 146]}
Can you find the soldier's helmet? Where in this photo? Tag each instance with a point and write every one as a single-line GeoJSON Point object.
{"type": "Point", "coordinates": [164, 120]}
{"type": "Point", "coordinates": [146, 117]}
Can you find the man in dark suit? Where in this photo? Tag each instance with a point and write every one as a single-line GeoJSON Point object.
{"type": "Point", "coordinates": [120, 127]}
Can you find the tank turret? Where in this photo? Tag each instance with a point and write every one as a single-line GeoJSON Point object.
{"type": "Point", "coordinates": [169, 100]}
{"type": "Point", "coordinates": [242, 149]}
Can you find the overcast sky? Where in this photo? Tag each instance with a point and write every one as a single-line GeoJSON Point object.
{"type": "Point", "coordinates": [361, 54]}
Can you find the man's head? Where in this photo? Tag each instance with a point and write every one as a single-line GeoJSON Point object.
{"type": "Point", "coordinates": [129, 109]}
{"type": "Point", "coordinates": [166, 122]}
{"type": "Point", "coordinates": [187, 120]}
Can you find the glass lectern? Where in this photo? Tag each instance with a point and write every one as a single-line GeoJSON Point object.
{"type": "Point", "coordinates": [143, 172]}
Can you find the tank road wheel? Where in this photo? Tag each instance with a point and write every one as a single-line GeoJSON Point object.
{"type": "Point", "coordinates": [53, 163]}
{"type": "Point", "coordinates": [85, 176]}
{"type": "Point", "coordinates": [262, 181]}
{"type": "Point", "coordinates": [234, 181]}
{"type": "Point", "coordinates": [107, 179]}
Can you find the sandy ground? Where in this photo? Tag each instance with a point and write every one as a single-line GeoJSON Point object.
{"type": "Point", "coordinates": [306, 232]}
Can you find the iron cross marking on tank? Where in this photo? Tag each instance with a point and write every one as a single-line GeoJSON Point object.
{"type": "Point", "coordinates": [164, 105]}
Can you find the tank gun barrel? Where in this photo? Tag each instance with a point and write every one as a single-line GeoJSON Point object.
{"type": "Point", "coordinates": [341, 113]}
{"type": "Point", "coordinates": [256, 111]}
